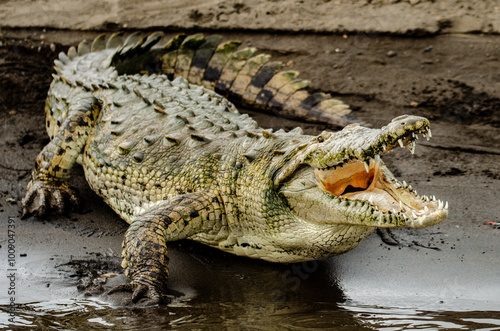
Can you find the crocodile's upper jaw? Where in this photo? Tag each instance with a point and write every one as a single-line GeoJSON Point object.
{"type": "Point", "coordinates": [363, 191]}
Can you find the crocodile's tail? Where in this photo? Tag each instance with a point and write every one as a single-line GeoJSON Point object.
{"type": "Point", "coordinates": [241, 74]}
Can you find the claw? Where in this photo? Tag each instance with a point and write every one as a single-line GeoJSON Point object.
{"type": "Point", "coordinates": [127, 287]}
{"type": "Point", "coordinates": [42, 196]}
{"type": "Point", "coordinates": [139, 291]}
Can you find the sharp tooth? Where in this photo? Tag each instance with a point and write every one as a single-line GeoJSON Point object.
{"type": "Point", "coordinates": [446, 205]}
{"type": "Point", "coordinates": [370, 199]}
{"type": "Point", "coordinates": [440, 204]}
{"type": "Point", "coordinates": [404, 184]}
{"type": "Point", "coordinates": [400, 204]}
{"type": "Point", "coordinates": [429, 133]}
{"type": "Point", "coordinates": [410, 188]}
{"type": "Point", "coordinates": [411, 147]}
{"type": "Point", "coordinates": [413, 134]}
{"type": "Point", "coordinates": [400, 141]}
{"type": "Point", "coordinates": [434, 197]}
{"type": "Point", "coordinates": [384, 147]}
{"type": "Point", "coordinates": [426, 210]}
{"type": "Point", "coordinates": [413, 214]}
{"type": "Point", "coordinates": [367, 166]}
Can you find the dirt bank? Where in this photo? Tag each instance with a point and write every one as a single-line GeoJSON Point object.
{"type": "Point", "coordinates": [405, 17]}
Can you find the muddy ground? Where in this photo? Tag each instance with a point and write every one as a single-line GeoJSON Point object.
{"type": "Point", "coordinates": [404, 17]}
{"type": "Point", "coordinates": [453, 79]}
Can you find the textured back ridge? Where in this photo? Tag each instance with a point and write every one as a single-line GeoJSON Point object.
{"type": "Point", "coordinates": [243, 75]}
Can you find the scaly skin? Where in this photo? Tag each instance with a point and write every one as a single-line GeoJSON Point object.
{"type": "Point", "coordinates": [178, 161]}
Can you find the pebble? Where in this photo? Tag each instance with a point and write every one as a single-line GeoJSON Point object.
{"type": "Point", "coordinates": [428, 49]}
{"type": "Point", "coordinates": [391, 54]}
{"type": "Point", "coordinates": [222, 17]}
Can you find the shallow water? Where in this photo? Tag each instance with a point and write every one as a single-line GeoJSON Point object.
{"type": "Point", "coordinates": [220, 291]}
{"type": "Point", "coordinates": [197, 314]}
{"type": "Point", "coordinates": [370, 287]}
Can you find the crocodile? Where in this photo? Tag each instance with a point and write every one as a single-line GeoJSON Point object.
{"type": "Point", "coordinates": [176, 160]}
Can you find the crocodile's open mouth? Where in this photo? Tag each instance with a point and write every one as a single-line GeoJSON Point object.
{"type": "Point", "coordinates": [370, 181]}
{"type": "Point", "coordinates": [359, 187]}
{"type": "Point", "coordinates": [374, 184]}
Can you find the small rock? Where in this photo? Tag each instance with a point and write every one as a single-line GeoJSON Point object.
{"type": "Point", "coordinates": [52, 47]}
{"type": "Point", "coordinates": [391, 54]}
{"type": "Point", "coordinates": [428, 49]}
{"type": "Point", "coordinates": [11, 200]}
{"type": "Point", "coordinates": [222, 17]}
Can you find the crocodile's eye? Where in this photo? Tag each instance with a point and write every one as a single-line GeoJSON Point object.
{"type": "Point", "coordinates": [320, 139]}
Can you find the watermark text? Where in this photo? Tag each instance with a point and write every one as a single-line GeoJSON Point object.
{"type": "Point", "coordinates": [11, 267]}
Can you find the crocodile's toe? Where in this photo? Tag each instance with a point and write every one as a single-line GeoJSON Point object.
{"type": "Point", "coordinates": [42, 197]}
{"type": "Point", "coordinates": [140, 291]}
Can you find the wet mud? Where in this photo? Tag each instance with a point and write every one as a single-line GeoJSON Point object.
{"type": "Point", "coordinates": [449, 273]}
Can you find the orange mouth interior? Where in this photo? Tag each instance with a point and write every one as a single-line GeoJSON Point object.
{"type": "Point", "coordinates": [351, 178]}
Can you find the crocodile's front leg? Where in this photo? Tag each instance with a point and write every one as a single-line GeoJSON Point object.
{"type": "Point", "coordinates": [48, 188]}
{"type": "Point", "coordinates": [145, 252]}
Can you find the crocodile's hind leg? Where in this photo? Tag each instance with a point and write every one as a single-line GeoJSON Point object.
{"type": "Point", "coordinates": [144, 248]}
{"type": "Point", "coordinates": [48, 188]}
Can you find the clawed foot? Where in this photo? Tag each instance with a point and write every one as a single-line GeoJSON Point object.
{"type": "Point", "coordinates": [42, 197]}
{"type": "Point", "coordinates": [140, 291]}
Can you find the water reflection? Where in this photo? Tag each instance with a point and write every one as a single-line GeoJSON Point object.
{"type": "Point", "coordinates": [394, 318]}
{"type": "Point", "coordinates": [198, 314]}
{"type": "Point", "coordinates": [221, 291]}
